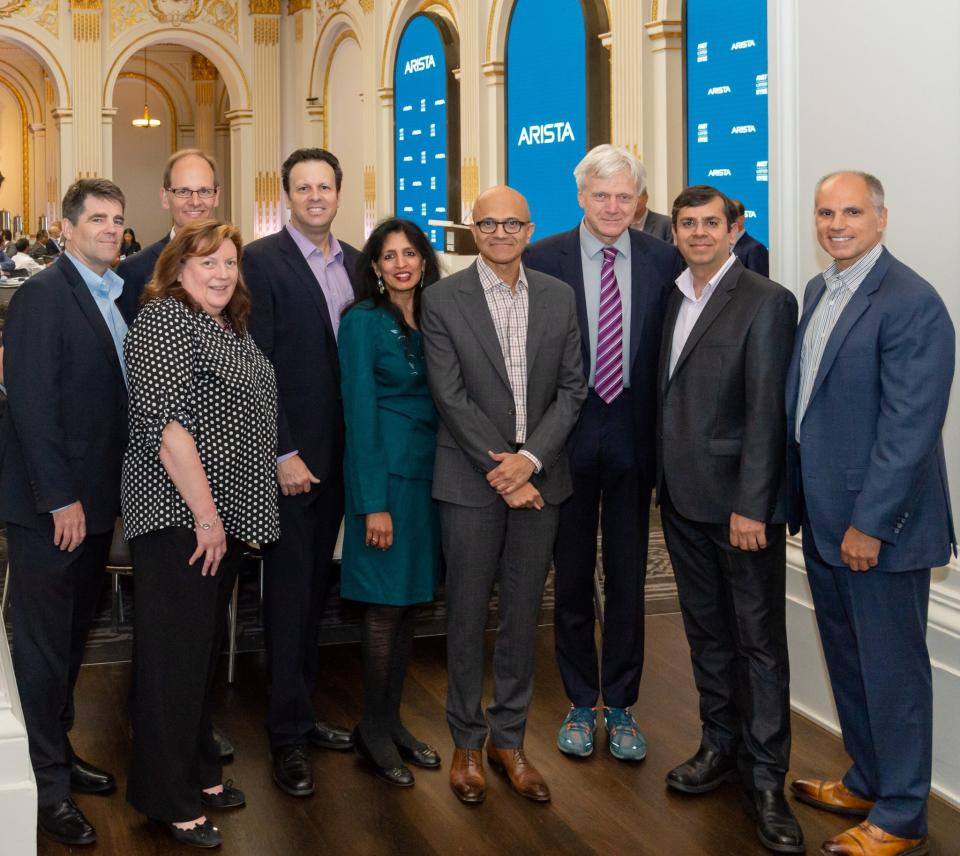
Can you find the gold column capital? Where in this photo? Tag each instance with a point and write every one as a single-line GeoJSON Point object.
{"type": "Point", "coordinates": [264, 7]}
{"type": "Point", "coordinates": [86, 5]}
{"type": "Point", "coordinates": [201, 68]}
{"type": "Point", "coordinates": [294, 6]}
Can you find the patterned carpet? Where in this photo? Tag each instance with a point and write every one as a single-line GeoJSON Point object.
{"type": "Point", "coordinates": [341, 618]}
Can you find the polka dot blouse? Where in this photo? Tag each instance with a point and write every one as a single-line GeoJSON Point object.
{"type": "Point", "coordinates": [183, 367]}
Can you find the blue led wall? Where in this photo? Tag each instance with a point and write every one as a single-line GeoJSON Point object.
{"type": "Point", "coordinates": [420, 127]}
{"type": "Point", "coordinates": [727, 136]}
{"type": "Point", "coordinates": [546, 109]}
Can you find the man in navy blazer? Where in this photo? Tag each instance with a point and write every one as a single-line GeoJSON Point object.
{"type": "Point", "coordinates": [300, 281]}
{"type": "Point", "coordinates": [867, 395]}
{"type": "Point", "coordinates": [190, 192]}
{"type": "Point", "coordinates": [752, 254]}
{"type": "Point", "coordinates": [612, 449]}
{"type": "Point", "coordinates": [63, 438]}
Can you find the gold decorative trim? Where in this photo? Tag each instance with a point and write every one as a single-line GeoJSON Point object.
{"type": "Point", "coordinates": [294, 6]}
{"type": "Point", "coordinates": [369, 185]}
{"type": "Point", "coordinates": [86, 5]}
{"type": "Point", "coordinates": [25, 151]}
{"type": "Point", "coordinates": [86, 27]}
{"type": "Point", "coordinates": [168, 99]}
{"type": "Point", "coordinates": [264, 7]}
{"type": "Point", "coordinates": [201, 68]}
{"type": "Point", "coordinates": [266, 30]}
{"type": "Point", "coordinates": [11, 7]}
{"type": "Point", "coordinates": [469, 182]}
{"type": "Point", "coordinates": [654, 10]}
{"type": "Point", "coordinates": [366, 6]}
{"type": "Point", "coordinates": [339, 40]}
{"type": "Point", "coordinates": [298, 29]}
{"type": "Point", "coordinates": [335, 5]}
{"type": "Point", "coordinates": [266, 188]}
{"type": "Point", "coordinates": [427, 5]}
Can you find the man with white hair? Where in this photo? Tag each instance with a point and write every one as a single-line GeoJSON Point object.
{"type": "Point", "coordinates": [621, 278]}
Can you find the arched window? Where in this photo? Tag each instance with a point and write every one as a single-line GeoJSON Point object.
{"type": "Point", "coordinates": [727, 139]}
{"type": "Point", "coordinates": [426, 126]}
{"type": "Point", "coordinates": [558, 103]}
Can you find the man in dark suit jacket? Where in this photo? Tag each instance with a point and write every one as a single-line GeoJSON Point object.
{"type": "Point", "coordinates": [752, 254]}
{"type": "Point", "coordinates": [866, 400]}
{"type": "Point", "coordinates": [503, 363]}
{"type": "Point", "coordinates": [727, 341]}
{"type": "Point", "coordinates": [300, 281]}
{"type": "Point", "coordinates": [612, 448]}
{"type": "Point", "coordinates": [190, 192]}
{"type": "Point", "coordinates": [64, 434]}
{"type": "Point", "coordinates": [651, 222]}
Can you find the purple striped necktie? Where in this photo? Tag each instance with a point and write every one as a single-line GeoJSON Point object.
{"type": "Point", "coordinates": [608, 383]}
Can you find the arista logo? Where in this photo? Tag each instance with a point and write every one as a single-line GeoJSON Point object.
{"type": "Point", "coordinates": [746, 43]}
{"type": "Point", "coordinates": [719, 90]}
{"type": "Point", "coordinates": [419, 63]}
{"type": "Point", "coordinates": [543, 135]}
{"type": "Point", "coordinates": [719, 172]}
{"type": "Point", "coordinates": [743, 129]}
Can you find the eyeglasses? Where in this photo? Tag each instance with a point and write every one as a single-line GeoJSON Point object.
{"type": "Point", "coordinates": [187, 192]}
{"type": "Point", "coordinates": [511, 225]}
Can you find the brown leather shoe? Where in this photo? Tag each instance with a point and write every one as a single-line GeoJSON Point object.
{"type": "Point", "coordinates": [868, 839]}
{"type": "Point", "coordinates": [830, 796]}
{"type": "Point", "coordinates": [524, 777]}
{"type": "Point", "coordinates": [466, 776]}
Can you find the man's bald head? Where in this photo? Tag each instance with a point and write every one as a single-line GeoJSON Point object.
{"type": "Point", "coordinates": [501, 226]}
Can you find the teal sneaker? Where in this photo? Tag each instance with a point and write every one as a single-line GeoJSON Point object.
{"type": "Point", "coordinates": [623, 732]}
{"type": "Point", "coordinates": [576, 733]}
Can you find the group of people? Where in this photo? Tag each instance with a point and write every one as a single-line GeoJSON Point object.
{"type": "Point", "coordinates": [224, 394]}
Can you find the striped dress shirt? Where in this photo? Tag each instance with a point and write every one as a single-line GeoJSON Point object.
{"type": "Point", "coordinates": [841, 286]}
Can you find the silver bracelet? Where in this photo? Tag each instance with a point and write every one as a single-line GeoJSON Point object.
{"type": "Point", "coordinates": [207, 526]}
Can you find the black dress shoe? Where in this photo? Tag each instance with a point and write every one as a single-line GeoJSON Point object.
{"type": "Point", "coordinates": [705, 771]}
{"type": "Point", "coordinates": [87, 779]}
{"type": "Point", "coordinates": [330, 737]}
{"type": "Point", "coordinates": [204, 835]}
{"type": "Point", "coordinates": [399, 776]}
{"type": "Point", "coordinates": [777, 828]}
{"type": "Point", "coordinates": [229, 797]}
{"type": "Point", "coordinates": [224, 746]}
{"type": "Point", "coordinates": [421, 756]}
{"type": "Point", "coordinates": [291, 771]}
{"type": "Point", "coordinates": [64, 822]}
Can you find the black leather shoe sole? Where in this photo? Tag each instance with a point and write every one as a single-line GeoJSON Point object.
{"type": "Point", "coordinates": [206, 836]}
{"type": "Point", "coordinates": [778, 847]}
{"type": "Point", "coordinates": [703, 787]}
{"type": "Point", "coordinates": [290, 789]}
{"type": "Point", "coordinates": [427, 758]}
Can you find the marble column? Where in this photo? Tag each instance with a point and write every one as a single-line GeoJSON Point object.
{"type": "Point", "coordinates": [493, 157]}
{"type": "Point", "coordinates": [265, 80]}
{"type": "Point", "coordinates": [664, 138]}
{"type": "Point", "coordinates": [386, 201]}
{"type": "Point", "coordinates": [107, 115]}
{"type": "Point", "coordinates": [38, 177]}
{"type": "Point", "coordinates": [204, 76]}
{"type": "Point", "coordinates": [243, 208]}
{"type": "Point", "coordinates": [87, 84]}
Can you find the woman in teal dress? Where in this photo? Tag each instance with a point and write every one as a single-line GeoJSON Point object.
{"type": "Point", "coordinates": [391, 541]}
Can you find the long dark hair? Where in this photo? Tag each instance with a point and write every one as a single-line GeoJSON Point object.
{"type": "Point", "coordinates": [365, 279]}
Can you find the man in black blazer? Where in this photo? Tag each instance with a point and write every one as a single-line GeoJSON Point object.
{"type": "Point", "coordinates": [752, 254]}
{"type": "Point", "coordinates": [63, 438]}
{"type": "Point", "coordinates": [190, 192]}
{"type": "Point", "coordinates": [651, 222]}
{"type": "Point", "coordinates": [721, 437]}
{"type": "Point", "coordinates": [611, 449]}
{"type": "Point", "coordinates": [300, 281]}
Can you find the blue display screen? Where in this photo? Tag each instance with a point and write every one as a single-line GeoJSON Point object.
{"type": "Point", "coordinates": [420, 127]}
{"type": "Point", "coordinates": [727, 133]}
{"type": "Point", "coordinates": [546, 109]}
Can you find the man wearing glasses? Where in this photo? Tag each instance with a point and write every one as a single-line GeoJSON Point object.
{"type": "Point", "coordinates": [503, 363]}
{"type": "Point", "coordinates": [621, 278]}
{"type": "Point", "coordinates": [190, 192]}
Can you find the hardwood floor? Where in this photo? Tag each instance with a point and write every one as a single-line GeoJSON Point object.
{"type": "Point", "coordinates": [599, 805]}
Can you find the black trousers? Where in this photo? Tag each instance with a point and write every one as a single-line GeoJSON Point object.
{"type": "Point", "coordinates": [295, 584]}
{"type": "Point", "coordinates": [608, 489]}
{"type": "Point", "coordinates": [734, 611]}
{"type": "Point", "coordinates": [512, 548]}
{"type": "Point", "coordinates": [179, 619]}
{"type": "Point", "coordinates": [54, 595]}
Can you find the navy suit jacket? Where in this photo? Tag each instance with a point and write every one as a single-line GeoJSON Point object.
{"type": "Point", "coordinates": [752, 254]}
{"type": "Point", "coordinates": [871, 453]}
{"type": "Point", "coordinates": [65, 429]}
{"type": "Point", "coordinates": [655, 266]}
{"type": "Point", "coordinates": [136, 271]}
{"type": "Point", "coordinates": [290, 322]}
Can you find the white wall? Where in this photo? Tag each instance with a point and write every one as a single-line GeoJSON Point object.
{"type": "Point", "coordinates": [344, 112]}
{"type": "Point", "coordinates": [873, 85]}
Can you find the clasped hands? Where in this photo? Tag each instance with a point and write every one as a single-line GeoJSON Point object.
{"type": "Point", "coordinates": [511, 479]}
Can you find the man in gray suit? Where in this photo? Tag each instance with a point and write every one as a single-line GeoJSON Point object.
{"type": "Point", "coordinates": [503, 361]}
{"type": "Point", "coordinates": [645, 220]}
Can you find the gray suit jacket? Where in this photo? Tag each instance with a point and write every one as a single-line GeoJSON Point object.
{"type": "Point", "coordinates": [468, 378]}
{"type": "Point", "coordinates": [659, 225]}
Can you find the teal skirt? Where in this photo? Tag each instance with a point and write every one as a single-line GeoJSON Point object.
{"type": "Point", "coordinates": [407, 572]}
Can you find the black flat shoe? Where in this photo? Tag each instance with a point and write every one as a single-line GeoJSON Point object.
{"type": "Point", "coordinates": [291, 771]}
{"type": "Point", "coordinates": [777, 828]}
{"type": "Point", "coordinates": [399, 776]}
{"type": "Point", "coordinates": [426, 757]}
{"type": "Point", "coordinates": [64, 822]}
{"type": "Point", "coordinates": [204, 835]}
{"type": "Point", "coordinates": [229, 797]}
{"type": "Point", "coordinates": [705, 771]}
{"type": "Point", "coordinates": [87, 779]}
{"type": "Point", "coordinates": [326, 736]}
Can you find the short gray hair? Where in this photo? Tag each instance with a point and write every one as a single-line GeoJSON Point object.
{"type": "Point", "coordinates": [605, 161]}
{"type": "Point", "coordinates": [874, 187]}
